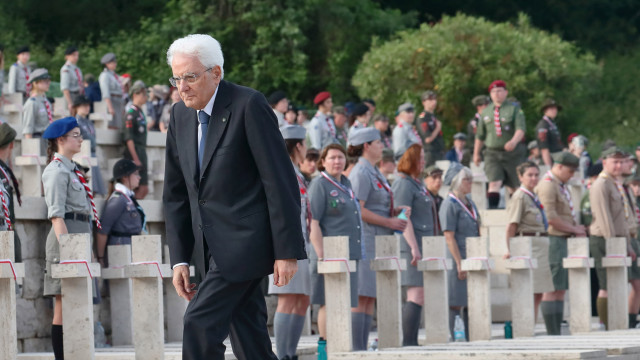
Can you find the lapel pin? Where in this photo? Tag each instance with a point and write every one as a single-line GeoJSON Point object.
{"type": "Point", "coordinates": [224, 119]}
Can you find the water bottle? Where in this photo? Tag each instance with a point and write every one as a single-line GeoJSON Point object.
{"type": "Point", "coordinates": [458, 330]}
{"type": "Point", "coordinates": [99, 338]}
{"type": "Point", "coordinates": [373, 345]}
{"type": "Point", "coordinates": [322, 349]}
{"type": "Point", "coordinates": [402, 216]}
{"type": "Point", "coordinates": [508, 330]}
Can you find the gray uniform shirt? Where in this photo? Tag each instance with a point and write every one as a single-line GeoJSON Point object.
{"type": "Point", "coordinates": [35, 117]}
{"type": "Point", "coordinates": [404, 135]}
{"type": "Point", "coordinates": [322, 131]}
{"type": "Point", "coordinates": [120, 215]}
{"type": "Point", "coordinates": [69, 78]}
{"type": "Point", "coordinates": [109, 84]}
{"type": "Point", "coordinates": [304, 200]}
{"type": "Point", "coordinates": [409, 192]}
{"type": "Point", "coordinates": [63, 191]}
{"type": "Point", "coordinates": [18, 78]}
{"type": "Point", "coordinates": [337, 212]}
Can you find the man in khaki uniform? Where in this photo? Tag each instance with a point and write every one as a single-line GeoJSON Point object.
{"type": "Point", "coordinates": [501, 129]}
{"type": "Point", "coordinates": [632, 224]}
{"type": "Point", "coordinates": [611, 211]}
{"type": "Point", "coordinates": [556, 201]}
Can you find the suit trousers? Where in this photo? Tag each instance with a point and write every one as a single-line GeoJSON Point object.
{"type": "Point", "coordinates": [221, 308]}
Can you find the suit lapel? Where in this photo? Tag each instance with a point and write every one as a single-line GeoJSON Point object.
{"type": "Point", "coordinates": [217, 124]}
{"type": "Point", "coordinates": [190, 126]}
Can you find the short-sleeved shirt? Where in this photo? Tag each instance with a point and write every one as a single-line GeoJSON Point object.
{"type": "Point", "coordinates": [304, 201]}
{"type": "Point", "coordinates": [511, 119]}
{"type": "Point", "coordinates": [408, 191]}
{"type": "Point", "coordinates": [548, 135]}
{"type": "Point", "coordinates": [35, 115]}
{"type": "Point", "coordinates": [63, 191]}
{"type": "Point", "coordinates": [556, 200]}
{"type": "Point", "coordinates": [404, 135]}
{"type": "Point", "coordinates": [88, 131]}
{"type": "Point", "coordinates": [121, 215]}
{"type": "Point", "coordinates": [342, 136]}
{"type": "Point", "coordinates": [322, 131]}
{"type": "Point", "coordinates": [109, 84]}
{"type": "Point", "coordinates": [608, 209]}
{"type": "Point", "coordinates": [357, 125]}
{"type": "Point", "coordinates": [18, 78]}
{"type": "Point", "coordinates": [472, 128]}
{"type": "Point", "coordinates": [337, 212]}
{"type": "Point", "coordinates": [454, 217]}
{"type": "Point", "coordinates": [135, 126]}
{"type": "Point", "coordinates": [522, 210]}
{"type": "Point", "coordinates": [426, 125]}
{"type": "Point", "coordinates": [71, 78]}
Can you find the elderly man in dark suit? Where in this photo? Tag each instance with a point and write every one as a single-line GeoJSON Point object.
{"type": "Point", "coordinates": [231, 201]}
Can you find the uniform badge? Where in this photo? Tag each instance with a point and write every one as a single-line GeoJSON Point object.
{"type": "Point", "coordinates": [141, 129]}
{"type": "Point", "coordinates": [379, 185]}
{"type": "Point", "coordinates": [333, 193]}
{"type": "Point", "coordinates": [342, 200]}
{"type": "Point", "coordinates": [424, 127]}
{"type": "Point", "coordinates": [486, 119]}
{"type": "Point", "coordinates": [506, 128]}
{"type": "Point", "coordinates": [542, 134]}
{"type": "Point", "coordinates": [333, 203]}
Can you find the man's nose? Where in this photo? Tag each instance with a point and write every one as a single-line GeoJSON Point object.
{"type": "Point", "coordinates": [183, 86]}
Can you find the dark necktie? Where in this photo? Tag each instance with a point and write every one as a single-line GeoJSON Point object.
{"type": "Point", "coordinates": [204, 125]}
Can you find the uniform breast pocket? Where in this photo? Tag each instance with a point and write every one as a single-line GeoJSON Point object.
{"type": "Point", "coordinates": [335, 205]}
{"type": "Point", "coordinates": [76, 185]}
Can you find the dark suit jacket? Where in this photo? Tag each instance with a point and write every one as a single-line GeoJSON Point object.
{"type": "Point", "coordinates": [245, 202]}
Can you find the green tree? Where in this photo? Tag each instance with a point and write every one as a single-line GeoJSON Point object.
{"type": "Point", "coordinates": [461, 55]}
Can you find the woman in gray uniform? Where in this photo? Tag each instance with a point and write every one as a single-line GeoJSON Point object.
{"type": "Point", "coordinates": [335, 211]}
{"type": "Point", "coordinates": [293, 299]}
{"type": "Point", "coordinates": [112, 90]}
{"type": "Point", "coordinates": [408, 190]}
{"type": "Point", "coordinates": [379, 218]}
{"type": "Point", "coordinates": [122, 217]}
{"type": "Point", "coordinates": [38, 111]}
{"type": "Point", "coordinates": [459, 219]}
{"type": "Point", "coordinates": [69, 206]}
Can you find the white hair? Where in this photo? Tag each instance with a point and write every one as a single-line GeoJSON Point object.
{"type": "Point", "coordinates": [204, 47]}
{"type": "Point", "coordinates": [465, 172]}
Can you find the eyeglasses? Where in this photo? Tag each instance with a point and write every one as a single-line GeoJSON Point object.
{"type": "Point", "coordinates": [75, 136]}
{"type": "Point", "coordinates": [190, 78]}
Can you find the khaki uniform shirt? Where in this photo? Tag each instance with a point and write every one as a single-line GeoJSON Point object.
{"type": "Point", "coordinates": [18, 78]}
{"type": "Point", "coordinates": [556, 200]}
{"type": "Point", "coordinates": [608, 209]}
{"type": "Point", "coordinates": [35, 116]}
{"type": "Point", "coordinates": [110, 84]}
{"type": "Point", "coordinates": [63, 191]}
{"type": "Point", "coordinates": [69, 79]}
{"type": "Point", "coordinates": [524, 212]}
{"type": "Point", "coordinates": [511, 119]}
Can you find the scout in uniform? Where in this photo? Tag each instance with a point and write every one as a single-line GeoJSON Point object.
{"type": "Point", "coordinates": [534, 152]}
{"type": "Point", "coordinates": [10, 185]}
{"type": "Point", "coordinates": [279, 103]}
{"type": "Point", "coordinates": [381, 122]}
{"type": "Point", "coordinates": [112, 90]}
{"type": "Point", "coordinates": [37, 113]}
{"type": "Point", "coordinates": [387, 165]}
{"type": "Point", "coordinates": [82, 107]}
{"type": "Point", "coordinates": [527, 218]}
{"type": "Point", "coordinates": [404, 134]}
{"type": "Point", "coordinates": [459, 152]}
{"type": "Point", "coordinates": [409, 191]}
{"type": "Point", "coordinates": [322, 130]}
{"type": "Point", "coordinates": [20, 73]}
{"type": "Point", "coordinates": [479, 102]}
{"type": "Point", "coordinates": [293, 298]}
{"type": "Point", "coordinates": [360, 117]}
{"type": "Point", "coordinates": [71, 82]}
{"type": "Point", "coordinates": [69, 207]}
{"type": "Point", "coordinates": [379, 218]}
{"type": "Point", "coordinates": [433, 183]}
{"type": "Point", "coordinates": [430, 129]}
{"type": "Point", "coordinates": [460, 219]}
{"type": "Point", "coordinates": [549, 140]}
{"type": "Point", "coordinates": [501, 130]}
{"type": "Point", "coordinates": [555, 197]}
{"type": "Point", "coordinates": [135, 136]}
{"type": "Point", "coordinates": [122, 217]}
{"type": "Point", "coordinates": [340, 120]}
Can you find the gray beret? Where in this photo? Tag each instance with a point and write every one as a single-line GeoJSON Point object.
{"type": "Point", "coordinates": [460, 136]}
{"type": "Point", "coordinates": [137, 86]}
{"type": "Point", "coordinates": [406, 107]}
{"type": "Point", "coordinates": [365, 135]}
{"type": "Point", "coordinates": [293, 132]}
{"type": "Point", "coordinates": [38, 74]}
{"type": "Point", "coordinates": [107, 58]}
{"type": "Point", "coordinates": [454, 169]}
{"type": "Point", "coordinates": [532, 145]}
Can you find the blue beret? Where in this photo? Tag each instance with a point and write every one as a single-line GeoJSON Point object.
{"type": "Point", "coordinates": [60, 127]}
{"type": "Point", "coordinates": [292, 132]}
{"type": "Point", "coordinates": [365, 135]}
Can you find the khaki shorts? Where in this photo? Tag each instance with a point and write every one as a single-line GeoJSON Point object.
{"type": "Point", "coordinates": [598, 250]}
{"type": "Point", "coordinates": [557, 252]}
{"type": "Point", "coordinates": [501, 166]}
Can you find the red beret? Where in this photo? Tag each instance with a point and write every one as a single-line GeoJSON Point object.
{"type": "Point", "coordinates": [571, 136]}
{"type": "Point", "coordinates": [497, 83]}
{"type": "Point", "coordinates": [322, 96]}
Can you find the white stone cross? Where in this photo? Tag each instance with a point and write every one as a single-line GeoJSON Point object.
{"type": "Point", "coordinates": [616, 263]}
{"type": "Point", "coordinates": [32, 163]}
{"type": "Point", "coordinates": [9, 273]}
{"type": "Point", "coordinates": [120, 291]}
{"type": "Point", "coordinates": [578, 264]}
{"type": "Point", "coordinates": [175, 305]}
{"type": "Point", "coordinates": [521, 265]}
{"type": "Point", "coordinates": [100, 115]}
{"type": "Point", "coordinates": [478, 265]}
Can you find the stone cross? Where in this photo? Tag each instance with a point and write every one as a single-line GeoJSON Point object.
{"type": "Point", "coordinates": [387, 265]}
{"type": "Point", "coordinates": [616, 263]}
{"type": "Point", "coordinates": [434, 266]}
{"type": "Point", "coordinates": [100, 115]}
{"type": "Point", "coordinates": [479, 187]}
{"type": "Point", "coordinates": [578, 264]}
{"type": "Point", "coordinates": [12, 112]}
{"type": "Point", "coordinates": [120, 290]}
{"type": "Point", "coordinates": [146, 272]}
{"type": "Point", "coordinates": [336, 268]}
{"type": "Point", "coordinates": [60, 108]}
{"type": "Point", "coordinates": [32, 163]}
{"type": "Point", "coordinates": [478, 265]}
{"type": "Point", "coordinates": [521, 265]}
{"type": "Point", "coordinates": [9, 273]}
{"type": "Point", "coordinates": [76, 271]}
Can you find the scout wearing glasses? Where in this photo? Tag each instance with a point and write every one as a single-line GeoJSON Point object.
{"type": "Point", "coordinates": [404, 134]}
{"type": "Point", "coordinates": [38, 111]}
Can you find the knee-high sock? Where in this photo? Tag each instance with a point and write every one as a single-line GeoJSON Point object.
{"type": "Point", "coordinates": [493, 198]}
{"type": "Point", "coordinates": [559, 315]}
{"type": "Point", "coordinates": [465, 320]}
{"type": "Point", "coordinates": [282, 332]}
{"type": "Point", "coordinates": [548, 314]}
{"type": "Point", "coordinates": [368, 319]}
{"type": "Point", "coordinates": [297, 323]}
{"type": "Point", "coordinates": [357, 327]}
{"type": "Point", "coordinates": [56, 342]}
{"type": "Point", "coordinates": [410, 323]}
{"type": "Point", "coordinates": [601, 305]}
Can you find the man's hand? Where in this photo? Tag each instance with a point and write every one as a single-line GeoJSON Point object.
{"type": "Point", "coordinates": [476, 159]}
{"type": "Point", "coordinates": [137, 162]}
{"type": "Point", "coordinates": [181, 282]}
{"type": "Point", "coordinates": [283, 271]}
{"type": "Point", "coordinates": [509, 146]}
